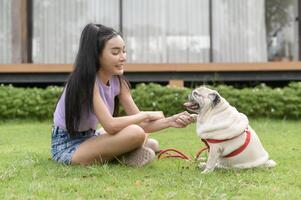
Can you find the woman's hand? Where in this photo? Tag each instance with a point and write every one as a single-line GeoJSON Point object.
{"type": "Point", "coordinates": [154, 115]}
{"type": "Point", "coordinates": [181, 120]}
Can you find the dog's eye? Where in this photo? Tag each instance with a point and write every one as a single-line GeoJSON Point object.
{"type": "Point", "coordinates": [196, 94]}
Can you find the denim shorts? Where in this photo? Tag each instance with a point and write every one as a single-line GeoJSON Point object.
{"type": "Point", "coordinates": [63, 147]}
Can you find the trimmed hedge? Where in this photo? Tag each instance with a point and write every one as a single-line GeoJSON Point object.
{"type": "Point", "coordinates": [35, 103]}
{"type": "Point", "coordinates": [260, 101]}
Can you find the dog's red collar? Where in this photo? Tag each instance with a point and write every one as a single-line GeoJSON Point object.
{"type": "Point", "coordinates": [235, 152]}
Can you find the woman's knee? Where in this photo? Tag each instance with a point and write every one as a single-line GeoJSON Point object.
{"type": "Point", "coordinates": [136, 133]}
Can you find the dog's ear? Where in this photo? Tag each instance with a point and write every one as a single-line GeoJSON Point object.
{"type": "Point", "coordinates": [215, 98]}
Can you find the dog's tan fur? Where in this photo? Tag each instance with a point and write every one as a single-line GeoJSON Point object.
{"type": "Point", "coordinates": [217, 119]}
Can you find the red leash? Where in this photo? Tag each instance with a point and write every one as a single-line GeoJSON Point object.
{"type": "Point", "coordinates": [179, 154]}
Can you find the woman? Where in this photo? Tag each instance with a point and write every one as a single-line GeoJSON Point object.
{"type": "Point", "coordinates": [91, 96]}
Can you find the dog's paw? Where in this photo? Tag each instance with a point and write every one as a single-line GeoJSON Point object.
{"type": "Point", "coordinates": [202, 165]}
{"type": "Point", "coordinates": [270, 164]}
{"type": "Point", "coordinates": [206, 171]}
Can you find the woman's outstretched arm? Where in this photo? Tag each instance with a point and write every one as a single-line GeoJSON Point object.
{"type": "Point", "coordinates": [177, 121]}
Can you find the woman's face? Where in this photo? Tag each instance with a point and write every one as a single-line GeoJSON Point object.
{"type": "Point", "coordinates": [113, 56]}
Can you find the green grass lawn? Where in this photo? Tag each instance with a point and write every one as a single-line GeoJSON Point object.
{"type": "Point", "coordinates": [27, 172]}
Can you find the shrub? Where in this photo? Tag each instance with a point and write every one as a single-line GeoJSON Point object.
{"type": "Point", "coordinates": [260, 101]}
{"type": "Point", "coordinates": [28, 102]}
{"type": "Point", "coordinates": [156, 97]}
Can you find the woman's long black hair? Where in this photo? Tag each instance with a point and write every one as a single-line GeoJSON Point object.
{"type": "Point", "coordinates": [79, 87]}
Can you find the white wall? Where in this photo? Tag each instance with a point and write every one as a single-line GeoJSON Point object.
{"type": "Point", "coordinates": [58, 25]}
{"type": "Point", "coordinates": [239, 33]}
{"type": "Point", "coordinates": [155, 31]}
{"type": "Point", "coordinates": [169, 31]}
{"type": "Point", "coordinates": [5, 32]}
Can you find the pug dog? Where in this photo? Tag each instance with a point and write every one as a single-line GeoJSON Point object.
{"type": "Point", "coordinates": [231, 141]}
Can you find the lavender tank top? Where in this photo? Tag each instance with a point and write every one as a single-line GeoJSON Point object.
{"type": "Point", "coordinates": [89, 120]}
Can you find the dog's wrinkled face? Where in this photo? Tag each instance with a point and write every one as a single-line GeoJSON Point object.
{"type": "Point", "coordinates": [202, 98]}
